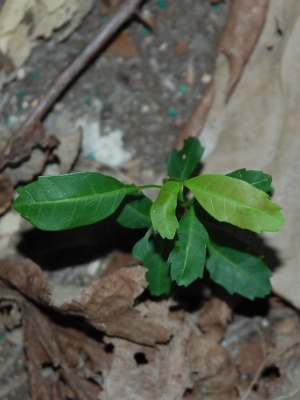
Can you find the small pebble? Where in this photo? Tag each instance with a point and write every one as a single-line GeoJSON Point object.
{"type": "Point", "coordinates": [34, 103]}
{"type": "Point", "coordinates": [104, 19]}
{"type": "Point", "coordinates": [172, 112]}
{"type": "Point", "coordinates": [161, 4]}
{"type": "Point", "coordinates": [21, 94]}
{"type": "Point", "coordinates": [107, 129]}
{"type": "Point", "coordinates": [21, 73]}
{"type": "Point", "coordinates": [163, 46]}
{"type": "Point", "coordinates": [145, 31]}
{"type": "Point", "coordinates": [58, 106]}
{"type": "Point", "coordinates": [24, 105]}
{"type": "Point", "coordinates": [183, 89]}
{"type": "Point", "coordinates": [145, 109]}
{"type": "Point", "coordinates": [206, 78]}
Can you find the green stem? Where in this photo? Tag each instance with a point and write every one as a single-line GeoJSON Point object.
{"type": "Point", "coordinates": [150, 186]}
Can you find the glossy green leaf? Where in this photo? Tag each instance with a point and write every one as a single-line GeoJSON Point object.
{"type": "Point", "coordinates": [238, 272]}
{"type": "Point", "coordinates": [134, 212]}
{"type": "Point", "coordinates": [182, 163]}
{"type": "Point", "coordinates": [189, 255]}
{"type": "Point", "coordinates": [257, 179]}
{"type": "Point", "coordinates": [54, 203]}
{"type": "Point", "coordinates": [163, 209]}
{"type": "Point", "coordinates": [236, 202]}
{"type": "Point", "coordinates": [154, 255]}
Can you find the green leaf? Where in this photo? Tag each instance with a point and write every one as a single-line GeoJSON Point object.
{"type": "Point", "coordinates": [238, 272]}
{"type": "Point", "coordinates": [236, 202]}
{"type": "Point", "coordinates": [54, 203]}
{"type": "Point", "coordinates": [189, 255]}
{"type": "Point", "coordinates": [142, 247]}
{"type": "Point", "coordinates": [154, 254]}
{"type": "Point", "coordinates": [134, 212]}
{"type": "Point", "coordinates": [258, 179]}
{"type": "Point", "coordinates": [163, 209]}
{"type": "Point", "coordinates": [182, 163]}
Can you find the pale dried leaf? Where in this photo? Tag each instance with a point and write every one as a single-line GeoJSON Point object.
{"type": "Point", "coordinates": [256, 129]}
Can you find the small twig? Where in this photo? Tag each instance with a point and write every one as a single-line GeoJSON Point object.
{"type": "Point", "coordinates": [68, 74]}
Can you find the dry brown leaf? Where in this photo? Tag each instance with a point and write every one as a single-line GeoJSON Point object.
{"type": "Point", "coordinates": [6, 193]}
{"type": "Point", "coordinates": [106, 304]}
{"type": "Point", "coordinates": [214, 317]}
{"type": "Point", "coordinates": [57, 351]}
{"type": "Point", "coordinates": [214, 375]}
{"type": "Point", "coordinates": [152, 373]}
{"type": "Point", "coordinates": [19, 146]}
{"type": "Point", "coordinates": [241, 32]}
{"type": "Point", "coordinates": [30, 168]}
{"type": "Point", "coordinates": [123, 46]}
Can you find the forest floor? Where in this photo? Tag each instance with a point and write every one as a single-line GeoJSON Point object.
{"type": "Point", "coordinates": [129, 105]}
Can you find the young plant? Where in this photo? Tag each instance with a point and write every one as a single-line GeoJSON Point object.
{"type": "Point", "coordinates": [186, 222]}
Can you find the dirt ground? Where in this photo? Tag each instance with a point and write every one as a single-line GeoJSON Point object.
{"type": "Point", "coordinates": [138, 95]}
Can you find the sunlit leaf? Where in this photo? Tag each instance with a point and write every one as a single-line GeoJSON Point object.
{"type": "Point", "coordinates": [154, 254]}
{"type": "Point", "coordinates": [238, 272]}
{"type": "Point", "coordinates": [60, 202]}
{"type": "Point", "coordinates": [189, 255]}
{"type": "Point", "coordinates": [134, 212]}
{"type": "Point", "coordinates": [236, 202]}
{"type": "Point", "coordinates": [182, 163]}
{"type": "Point", "coordinates": [258, 179]}
{"type": "Point", "coordinates": [163, 210]}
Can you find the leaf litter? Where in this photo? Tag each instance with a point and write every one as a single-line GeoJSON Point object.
{"type": "Point", "coordinates": [80, 340]}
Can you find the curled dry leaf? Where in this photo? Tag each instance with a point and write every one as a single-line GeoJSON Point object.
{"type": "Point", "coordinates": [240, 34]}
{"type": "Point", "coordinates": [107, 303]}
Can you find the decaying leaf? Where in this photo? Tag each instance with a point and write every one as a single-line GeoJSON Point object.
{"type": "Point", "coordinates": [106, 304]}
{"type": "Point", "coordinates": [73, 351]}
{"type": "Point", "coordinates": [22, 23]}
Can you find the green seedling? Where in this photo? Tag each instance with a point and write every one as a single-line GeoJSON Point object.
{"type": "Point", "coordinates": [185, 225]}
